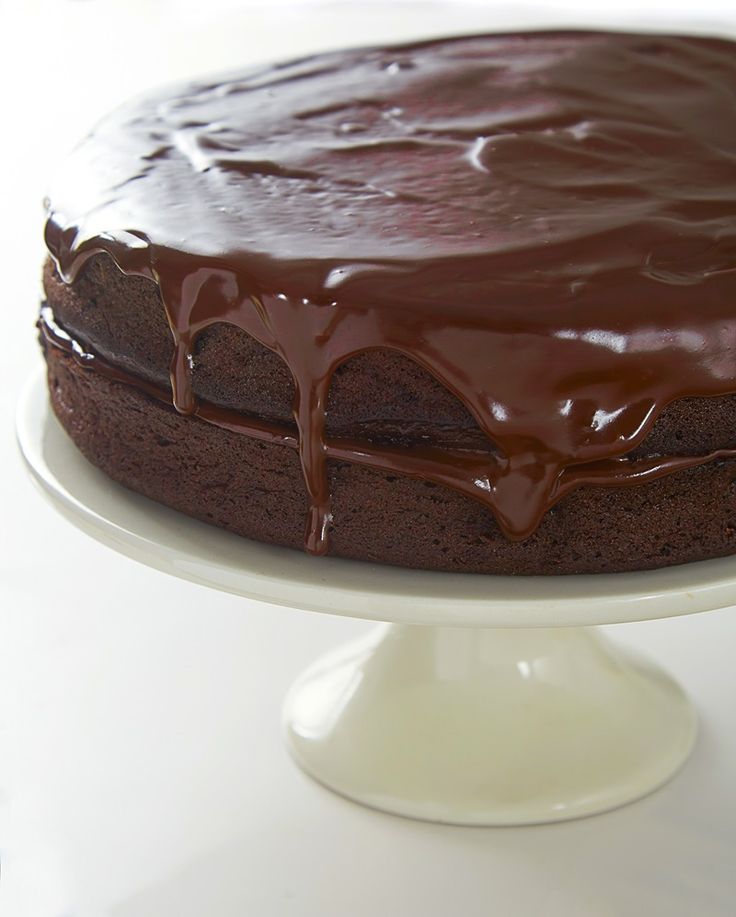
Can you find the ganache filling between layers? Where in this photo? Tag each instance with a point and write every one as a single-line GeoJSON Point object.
{"type": "Point", "coordinates": [545, 222]}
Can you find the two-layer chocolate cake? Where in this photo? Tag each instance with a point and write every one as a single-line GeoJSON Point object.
{"type": "Point", "coordinates": [466, 305]}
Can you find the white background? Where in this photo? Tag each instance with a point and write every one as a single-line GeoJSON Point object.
{"type": "Point", "coordinates": [141, 770]}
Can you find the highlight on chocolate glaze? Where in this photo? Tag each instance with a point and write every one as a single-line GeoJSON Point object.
{"type": "Point", "coordinates": [543, 221]}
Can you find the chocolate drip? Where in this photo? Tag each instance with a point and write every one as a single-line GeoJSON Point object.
{"type": "Point", "coordinates": [545, 222]}
{"type": "Point", "coordinates": [460, 470]}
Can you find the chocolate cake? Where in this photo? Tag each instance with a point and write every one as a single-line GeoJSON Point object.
{"type": "Point", "coordinates": [467, 304]}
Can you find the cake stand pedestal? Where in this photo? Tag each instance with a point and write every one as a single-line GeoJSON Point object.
{"type": "Point", "coordinates": [488, 726]}
{"type": "Point", "coordinates": [490, 700]}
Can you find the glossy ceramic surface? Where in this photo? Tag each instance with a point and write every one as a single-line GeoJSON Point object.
{"type": "Point", "coordinates": [488, 727]}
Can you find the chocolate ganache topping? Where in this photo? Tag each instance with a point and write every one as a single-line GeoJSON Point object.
{"type": "Point", "coordinates": [546, 222]}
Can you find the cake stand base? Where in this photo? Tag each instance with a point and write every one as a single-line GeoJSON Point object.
{"type": "Point", "coordinates": [475, 726]}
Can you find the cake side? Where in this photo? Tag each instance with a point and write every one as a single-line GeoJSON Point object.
{"type": "Point", "coordinates": [256, 490]}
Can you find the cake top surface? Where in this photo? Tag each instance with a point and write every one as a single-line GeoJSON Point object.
{"type": "Point", "coordinates": [500, 163]}
{"type": "Point", "coordinates": [544, 221]}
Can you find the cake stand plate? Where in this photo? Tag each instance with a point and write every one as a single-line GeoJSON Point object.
{"type": "Point", "coordinates": [489, 700]}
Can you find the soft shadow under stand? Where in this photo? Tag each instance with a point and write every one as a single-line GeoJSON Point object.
{"type": "Point", "coordinates": [488, 700]}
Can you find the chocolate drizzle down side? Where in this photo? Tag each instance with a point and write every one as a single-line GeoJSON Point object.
{"type": "Point", "coordinates": [545, 222]}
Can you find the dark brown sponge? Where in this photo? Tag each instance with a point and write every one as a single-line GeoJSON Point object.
{"type": "Point", "coordinates": [256, 489]}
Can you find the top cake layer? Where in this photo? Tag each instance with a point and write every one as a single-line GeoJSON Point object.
{"type": "Point", "coordinates": [544, 221]}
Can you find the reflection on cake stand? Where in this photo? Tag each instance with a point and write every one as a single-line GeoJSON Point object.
{"type": "Point", "coordinates": [487, 700]}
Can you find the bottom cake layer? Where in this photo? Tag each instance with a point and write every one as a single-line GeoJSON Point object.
{"type": "Point", "coordinates": [256, 489]}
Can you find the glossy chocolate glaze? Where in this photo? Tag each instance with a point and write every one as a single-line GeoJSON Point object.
{"type": "Point", "coordinates": [546, 222]}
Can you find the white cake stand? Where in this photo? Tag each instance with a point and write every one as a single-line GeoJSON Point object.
{"type": "Point", "coordinates": [504, 708]}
